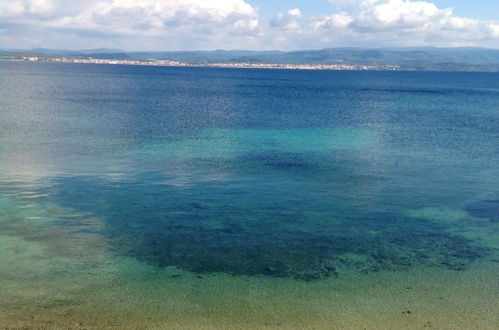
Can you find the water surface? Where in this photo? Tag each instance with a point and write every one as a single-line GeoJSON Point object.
{"type": "Point", "coordinates": [220, 198]}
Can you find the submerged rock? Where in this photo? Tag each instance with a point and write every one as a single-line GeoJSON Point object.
{"type": "Point", "coordinates": [485, 209]}
{"type": "Point", "coordinates": [248, 237]}
{"type": "Point", "coordinates": [302, 256]}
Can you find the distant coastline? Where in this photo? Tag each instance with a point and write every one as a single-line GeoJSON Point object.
{"type": "Point", "coordinates": [374, 59]}
{"type": "Point", "coordinates": [166, 63]}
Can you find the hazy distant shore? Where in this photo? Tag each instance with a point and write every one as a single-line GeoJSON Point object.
{"type": "Point", "coordinates": [212, 65]}
{"type": "Point", "coordinates": [243, 65]}
{"type": "Point", "coordinates": [380, 59]}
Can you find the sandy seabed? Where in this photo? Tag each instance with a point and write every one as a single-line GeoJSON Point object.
{"type": "Point", "coordinates": [172, 299]}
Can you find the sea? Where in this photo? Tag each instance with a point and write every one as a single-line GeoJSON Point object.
{"type": "Point", "coordinates": [136, 197]}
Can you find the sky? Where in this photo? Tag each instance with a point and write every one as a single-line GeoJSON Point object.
{"type": "Point", "coordinates": [247, 24]}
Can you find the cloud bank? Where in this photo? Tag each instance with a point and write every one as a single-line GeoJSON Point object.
{"type": "Point", "coordinates": [234, 24]}
{"type": "Point", "coordinates": [403, 23]}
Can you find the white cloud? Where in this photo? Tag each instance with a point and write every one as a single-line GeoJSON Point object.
{"type": "Point", "coordinates": [283, 30]}
{"type": "Point", "coordinates": [494, 30]}
{"type": "Point", "coordinates": [288, 20]}
{"type": "Point", "coordinates": [232, 24]}
{"type": "Point", "coordinates": [388, 14]}
{"type": "Point", "coordinates": [25, 8]}
{"type": "Point", "coordinates": [208, 21]}
{"type": "Point", "coordinates": [402, 23]}
{"type": "Point", "coordinates": [339, 20]}
{"type": "Point", "coordinates": [157, 17]}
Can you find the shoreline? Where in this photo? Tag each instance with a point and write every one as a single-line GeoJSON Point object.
{"type": "Point", "coordinates": [168, 63]}
{"type": "Point", "coordinates": [242, 65]}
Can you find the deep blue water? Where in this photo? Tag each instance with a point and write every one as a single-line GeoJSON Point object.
{"type": "Point", "coordinates": [258, 172]}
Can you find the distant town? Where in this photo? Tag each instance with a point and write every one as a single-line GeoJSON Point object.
{"type": "Point", "coordinates": [169, 63]}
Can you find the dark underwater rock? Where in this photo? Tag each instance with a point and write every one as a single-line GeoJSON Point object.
{"type": "Point", "coordinates": [253, 250]}
{"type": "Point", "coordinates": [485, 209]}
{"type": "Point", "coordinates": [245, 234]}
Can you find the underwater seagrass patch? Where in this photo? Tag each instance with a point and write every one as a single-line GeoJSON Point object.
{"type": "Point", "coordinates": [275, 250]}
{"type": "Point", "coordinates": [247, 235]}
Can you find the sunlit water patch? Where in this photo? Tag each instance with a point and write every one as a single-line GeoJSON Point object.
{"type": "Point", "coordinates": [230, 143]}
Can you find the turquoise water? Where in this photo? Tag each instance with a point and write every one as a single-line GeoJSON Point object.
{"type": "Point", "coordinates": [207, 198]}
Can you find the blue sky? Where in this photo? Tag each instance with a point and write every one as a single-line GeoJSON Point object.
{"type": "Point", "coordinates": [247, 24]}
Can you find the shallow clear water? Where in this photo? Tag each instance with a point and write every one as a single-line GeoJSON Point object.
{"type": "Point", "coordinates": [210, 197]}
